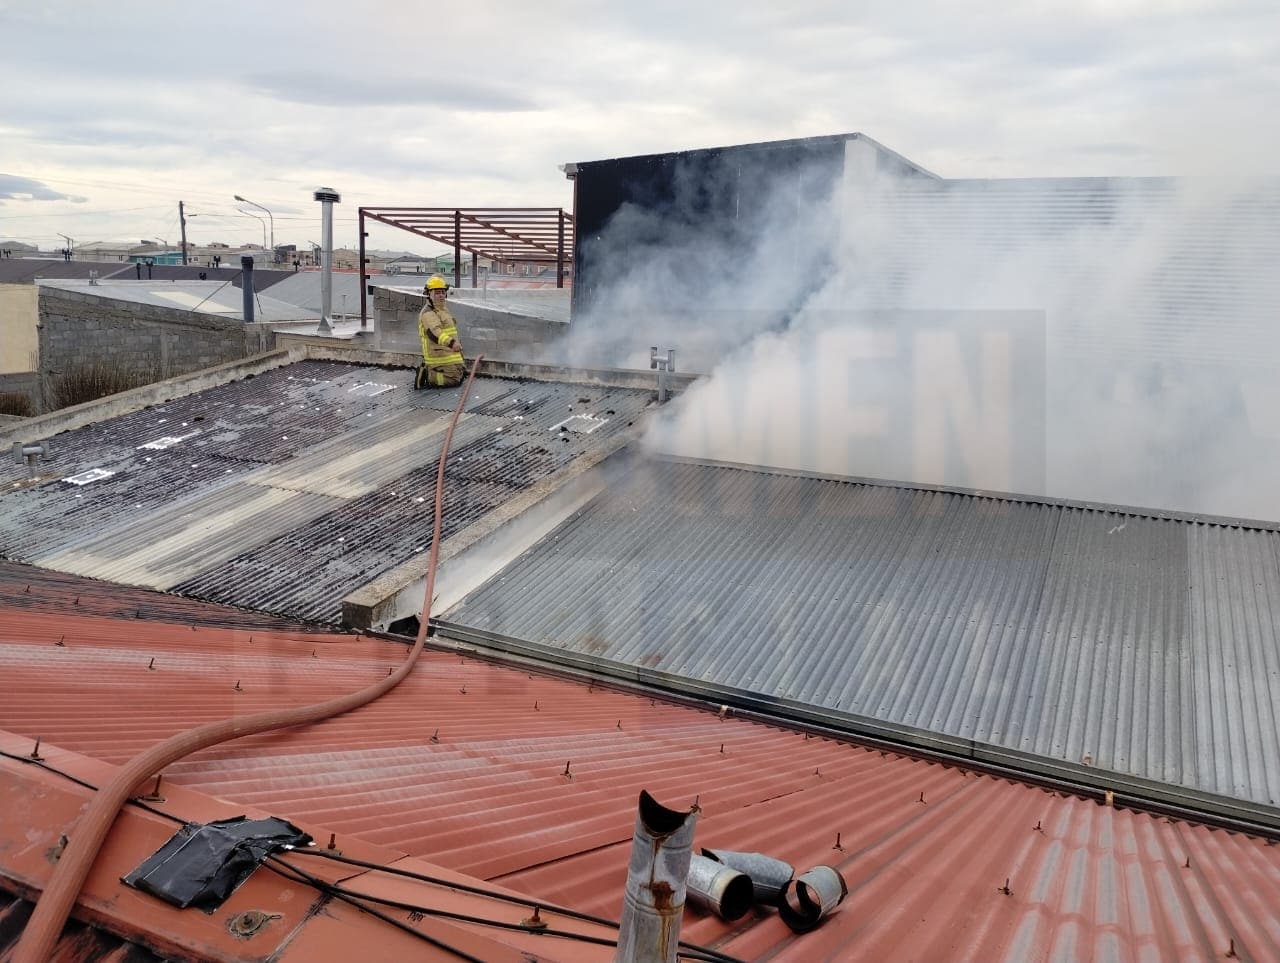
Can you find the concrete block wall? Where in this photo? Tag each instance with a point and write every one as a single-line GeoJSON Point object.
{"type": "Point", "coordinates": [26, 383]}
{"type": "Point", "coordinates": [495, 334]}
{"type": "Point", "coordinates": [80, 328]}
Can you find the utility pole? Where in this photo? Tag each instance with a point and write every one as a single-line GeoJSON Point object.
{"type": "Point", "coordinates": [182, 224]}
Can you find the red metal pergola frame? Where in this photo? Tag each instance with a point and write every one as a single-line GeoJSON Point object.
{"type": "Point", "coordinates": [538, 235]}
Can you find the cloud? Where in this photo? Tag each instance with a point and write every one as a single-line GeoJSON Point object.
{"type": "Point", "coordinates": [16, 188]}
{"type": "Point", "coordinates": [332, 90]}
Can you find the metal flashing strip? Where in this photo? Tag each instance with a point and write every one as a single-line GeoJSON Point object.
{"type": "Point", "coordinates": [1113, 788]}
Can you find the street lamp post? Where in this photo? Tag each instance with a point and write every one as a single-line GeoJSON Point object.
{"type": "Point", "coordinates": [245, 200]}
{"type": "Point", "coordinates": [260, 221]}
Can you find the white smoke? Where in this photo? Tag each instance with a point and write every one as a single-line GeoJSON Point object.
{"type": "Point", "coordinates": [1103, 341]}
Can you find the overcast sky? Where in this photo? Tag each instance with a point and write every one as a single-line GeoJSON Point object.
{"type": "Point", "coordinates": [110, 113]}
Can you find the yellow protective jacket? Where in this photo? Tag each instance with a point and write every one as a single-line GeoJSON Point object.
{"type": "Point", "coordinates": [441, 349]}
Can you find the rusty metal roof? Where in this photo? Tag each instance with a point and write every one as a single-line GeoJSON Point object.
{"type": "Point", "coordinates": [277, 913]}
{"type": "Point", "coordinates": [529, 780]}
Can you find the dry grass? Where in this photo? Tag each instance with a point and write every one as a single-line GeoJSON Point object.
{"type": "Point", "coordinates": [16, 403]}
{"type": "Point", "coordinates": [89, 382]}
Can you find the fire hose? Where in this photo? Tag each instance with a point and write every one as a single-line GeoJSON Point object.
{"type": "Point", "coordinates": [54, 906]}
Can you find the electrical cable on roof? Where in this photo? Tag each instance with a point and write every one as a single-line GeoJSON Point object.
{"type": "Point", "coordinates": [44, 928]}
{"type": "Point", "coordinates": [692, 950]}
{"type": "Point", "coordinates": [336, 893]}
{"type": "Point", "coordinates": [493, 894]}
{"type": "Point", "coordinates": [339, 891]}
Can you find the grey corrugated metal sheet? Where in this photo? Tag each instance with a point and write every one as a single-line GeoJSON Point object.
{"type": "Point", "coordinates": [203, 297]}
{"type": "Point", "coordinates": [1139, 644]}
{"type": "Point", "coordinates": [1177, 268]}
{"type": "Point", "coordinates": [303, 290]}
{"type": "Point", "coordinates": [288, 490]}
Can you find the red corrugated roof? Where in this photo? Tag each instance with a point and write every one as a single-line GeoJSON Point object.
{"type": "Point", "coordinates": [301, 923]}
{"type": "Point", "coordinates": [465, 765]}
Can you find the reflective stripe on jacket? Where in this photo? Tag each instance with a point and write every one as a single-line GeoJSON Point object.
{"type": "Point", "coordinates": [438, 331]}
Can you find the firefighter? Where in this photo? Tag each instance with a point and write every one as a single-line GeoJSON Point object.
{"type": "Point", "coordinates": [442, 366]}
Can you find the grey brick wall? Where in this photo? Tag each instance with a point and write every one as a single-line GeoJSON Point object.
{"type": "Point", "coordinates": [143, 340]}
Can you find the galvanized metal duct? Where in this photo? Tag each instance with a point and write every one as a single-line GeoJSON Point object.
{"type": "Point", "coordinates": [653, 903]}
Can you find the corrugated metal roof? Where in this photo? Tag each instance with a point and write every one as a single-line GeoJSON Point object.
{"type": "Point", "coordinates": [24, 588]}
{"type": "Point", "coordinates": [1171, 269]}
{"type": "Point", "coordinates": [464, 764]}
{"type": "Point", "coordinates": [272, 915]}
{"type": "Point", "coordinates": [287, 491]}
{"type": "Point", "coordinates": [204, 297]}
{"type": "Point", "coordinates": [1141, 645]}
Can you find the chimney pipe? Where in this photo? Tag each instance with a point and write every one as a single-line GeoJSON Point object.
{"type": "Point", "coordinates": [718, 889]}
{"type": "Point", "coordinates": [327, 197]}
{"type": "Point", "coordinates": [661, 850]}
{"type": "Point", "coordinates": [246, 283]}
{"type": "Point", "coordinates": [769, 876]}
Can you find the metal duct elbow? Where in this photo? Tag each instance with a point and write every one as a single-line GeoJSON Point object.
{"type": "Point", "coordinates": [809, 900]}
{"type": "Point", "coordinates": [652, 905]}
{"type": "Point", "coordinates": [718, 889]}
{"type": "Point", "coordinates": [769, 876]}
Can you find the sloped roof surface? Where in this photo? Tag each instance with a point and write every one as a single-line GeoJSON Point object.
{"type": "Point", "coordinates": [465, 765]}
{"type": "Point", "coordinates": [1143, 645]}
{"type": "Point", "coordinates": [205, 297]}
{"type": "Point", "coordinates": [286, 491]}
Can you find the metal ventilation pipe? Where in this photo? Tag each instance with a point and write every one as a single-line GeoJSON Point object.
{"type": "Point", "coordinates": [665, 366]}
{"type": "Point", "coordinates": [246, 286]}
{"type": "Point", "coordinates": [769, 876]}
{"type": "Point", "coordinates": [31, 453]}
{"type": "Point", "coordinates": [327, 197]}
{"type": "Point", "coordinates": [718, 889]}
{"type": "Point", "coordinates": [653, 903]}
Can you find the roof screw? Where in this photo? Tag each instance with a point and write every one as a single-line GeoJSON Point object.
{"type": "Point", "coordinates": [251, 640]}
{"type": "Point", "coordinates": [333, 840]}
{"type": "Point", "coordinates": [62, 640]}
{"type": "Point", "coordinates": [535, 706]}
{"type": "Point", "coordinates": [534, 922]}
{"type": "Point", "coordinates": [388, 672]}
{"type": "Point", "coordinates": [154, 795]}
{"type": "Point", "coordinates": [619, 723]}
{"type": "Point", "coordinates": [435, 736]}
{"type": "Point", "coordinates": [1005, 888]}
{"type": "Point", "coordinates": [152, 664]}
{"type": "Point", "coordinates": [237, 686]}
{"type": "Point", "coordinates": [922, 796]}
{"type": "Point", "coordinates": [1231, 949]}
{"type": "Point", "coordinates": [77, 601]}
{"type": "Point", "coordinates": [138, 614]}
{"type": "Point", "coordinates": [722, 748]}
{"type": "Point", "coordinates": [806, 737]}
{"type": "Point", "coordinates": [817, 771]}
{"type": "Point", "coordinates": [35, 753]}
{"type": "Point", "coordinates": [313, 653]}
{"type": "Point", "coordinates": [837, 845]}
{"type": "Point", "coordinates": [27, 590]}
{"type": "Point", "coordinates": [696, 807]}
{"type": "Point", "coordinates": [1187, 864]}
{"type": "Point", "coordinates": [55, 854]}
{"type": "Point", "coordinates": [463, 690]}
{"type": "Point", "coordinates": [1038, 827]}
{"type": "Point", "coordinates": [567, 774]}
